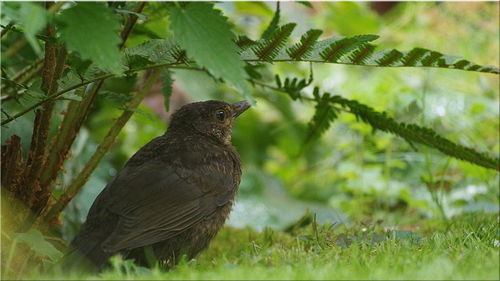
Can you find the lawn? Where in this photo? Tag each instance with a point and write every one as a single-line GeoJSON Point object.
{"type": "Point", "coordinates": [466, 248]}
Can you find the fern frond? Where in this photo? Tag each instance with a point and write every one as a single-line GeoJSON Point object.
{"type": "Point", "coordinates": [416, 134]}
{"type": "Point", "coordinates": [461, 64]}
{"type": "Point", "coordinates": [473, 67]}
{"type": "Point", "coordinates": [390, 58]}
{"type": "Point", "coordinates": [363, 53]}
{"type": "Point", "coordinates": [273, 25]}
{"type": "Point", "coordinates": [354, 50]}
{"type": "Point", "coordinates": [323, 117]}
{"type": "Point", "coordinates": [244, 42]}
{"type": "Point", "coordinates": [345, 45]}
{"type": "Point", "coordinates": [269, 48]}
{"type": "Point", "coordinates": [293, 86]}
{"type": "Point", "coordinates": [305, 46]}
{"type": "Point", "coordinates": [414, 56]}
{"type": "Point", "coordinates": [431, 58]}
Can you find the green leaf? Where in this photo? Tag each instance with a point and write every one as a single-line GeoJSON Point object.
{"type": "Point", "coordinates": [167, 82]}
{"type": "Point", "coordinates": [341, 47]}
{"type": "Point", "coordinates": [33, 94]}
{"type": "Point", "coordinates": [90, 28]}
{"type": "Point", "coordinates": [305, 46]}
{"type": "Point", "coordinates": [31, 16]}
{"type": "Point", "coordinates": [305, 3]}
{"type": "Point", "coordinates": [155, 51]}
{"type": "Point", "coordinates": [273, 25]}
{"type": "Point", "coordinates": [244, 42]}
{"type": "Point", "coordinates": [127, 12]}
{"type": "Point", "coordinates": [35, 240]}
{"type": "Point", "coordinates": [206, 36]}
{"type": "Point", "coordinates": [268, 49]}
{"type": "Point", "coordinates": [323, 117]}
{"type": "Point", "coordinates": [415, 134]}
{"type": "Point", "coordinates": [34, 19]}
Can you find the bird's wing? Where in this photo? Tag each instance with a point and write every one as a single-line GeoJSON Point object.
{"type": "Point", "coordinates": [155, 202]}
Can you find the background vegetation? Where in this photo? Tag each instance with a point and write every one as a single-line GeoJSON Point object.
{"type": "Point", "coordinates": [379, 205]}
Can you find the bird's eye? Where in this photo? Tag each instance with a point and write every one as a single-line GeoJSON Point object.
{"type": "Point", "coordinates": [221, 115]}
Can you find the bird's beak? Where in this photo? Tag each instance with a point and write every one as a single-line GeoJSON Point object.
{"type": "Point", "coordinates": [239, 108]}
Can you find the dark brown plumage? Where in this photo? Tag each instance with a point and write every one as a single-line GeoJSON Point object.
{"type": "Point", "coordinates": [172, 196]}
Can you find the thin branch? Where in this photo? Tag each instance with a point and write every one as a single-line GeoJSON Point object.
{"type": "Point", "coordinates": [21, 77]}
{"type": "Point", "coordinates": [130, 24]}
{"type": "Point", "coordinates": [76, 184]}
{"type": "Point", "coordinates": [76, 113]}
{"type": "Point", "coordinates": [27, 69]}
{"type": "Point", "coordinates": [61, 92]}
{"type": "Point", "coordinates": [54, 96]}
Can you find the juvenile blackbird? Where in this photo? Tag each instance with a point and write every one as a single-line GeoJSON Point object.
{"type": "Point", "coordinates": [171, 197]}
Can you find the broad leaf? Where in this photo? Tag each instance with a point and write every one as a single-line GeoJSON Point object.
{"type": "Point", "coordinates": [32, 17]}
{"type": "Point", "coordinates": [35, 240]}
{"type": "Point", "coordinates": [207, 38]}
{"type": "Point", "coordinates": [90, 28]}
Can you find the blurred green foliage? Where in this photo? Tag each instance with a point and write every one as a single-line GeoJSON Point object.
{"type": "Point", "coordinates": [349, 170]}
{"type": "Point", "coordinates": [351, 173]}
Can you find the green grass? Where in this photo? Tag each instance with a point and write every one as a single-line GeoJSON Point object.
{"type": "Point", "coordinates": [468, 249]}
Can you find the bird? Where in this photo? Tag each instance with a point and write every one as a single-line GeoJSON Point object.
{"type": "Point", "coordinates": [171, 197]}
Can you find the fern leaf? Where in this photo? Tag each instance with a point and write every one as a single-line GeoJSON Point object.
{"type": "Point", "coordinates": [243, 41]}
{"type": "Point", "coordinates": [343, 46]}
{"type": "Point", "coordinates": [273, 25]}
{"type": "Point", "coordinates": [488, 69]}
{"type": "Point", "coordinates": [306, 44]}
{"type": "Point", "coordinates": [363, 53]}
{"type": "Point", "coordinates": [473, 67]}
{"type": "Point", "coordinates": [269, 48]}
{"type": "Point", "coordinates": [461, 64]}
{"type": "Point", "coordinates": [431, 59]}
{"type": "Point", "coordinates": [416, 134]}
{"type": "Point", "coordinates": [414, 56]}
{"type": "Point", "coordinates": [293, 86]}
{"type": "Point", "coordinates": [323, 117]}
{"type": "Point", "coordinates": [390, 58]}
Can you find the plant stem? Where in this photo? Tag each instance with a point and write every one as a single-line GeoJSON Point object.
{"type": "Point", "coordinates": [76, 114]}
{"type": "Point", "coordinates": [130, 24]}
{"type": "Point", "coordinates": [61, 92]}
{"type": "Point", "coordinates": [77, 183]}
{"type": "Point", "coordinates": [42, 121]}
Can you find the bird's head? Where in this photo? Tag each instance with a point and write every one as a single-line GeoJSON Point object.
{"type": "Point", "coordinates": [211, 118]}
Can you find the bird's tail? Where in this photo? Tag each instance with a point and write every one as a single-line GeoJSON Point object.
{"type": "Point", "coordinates": [86, 256]}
